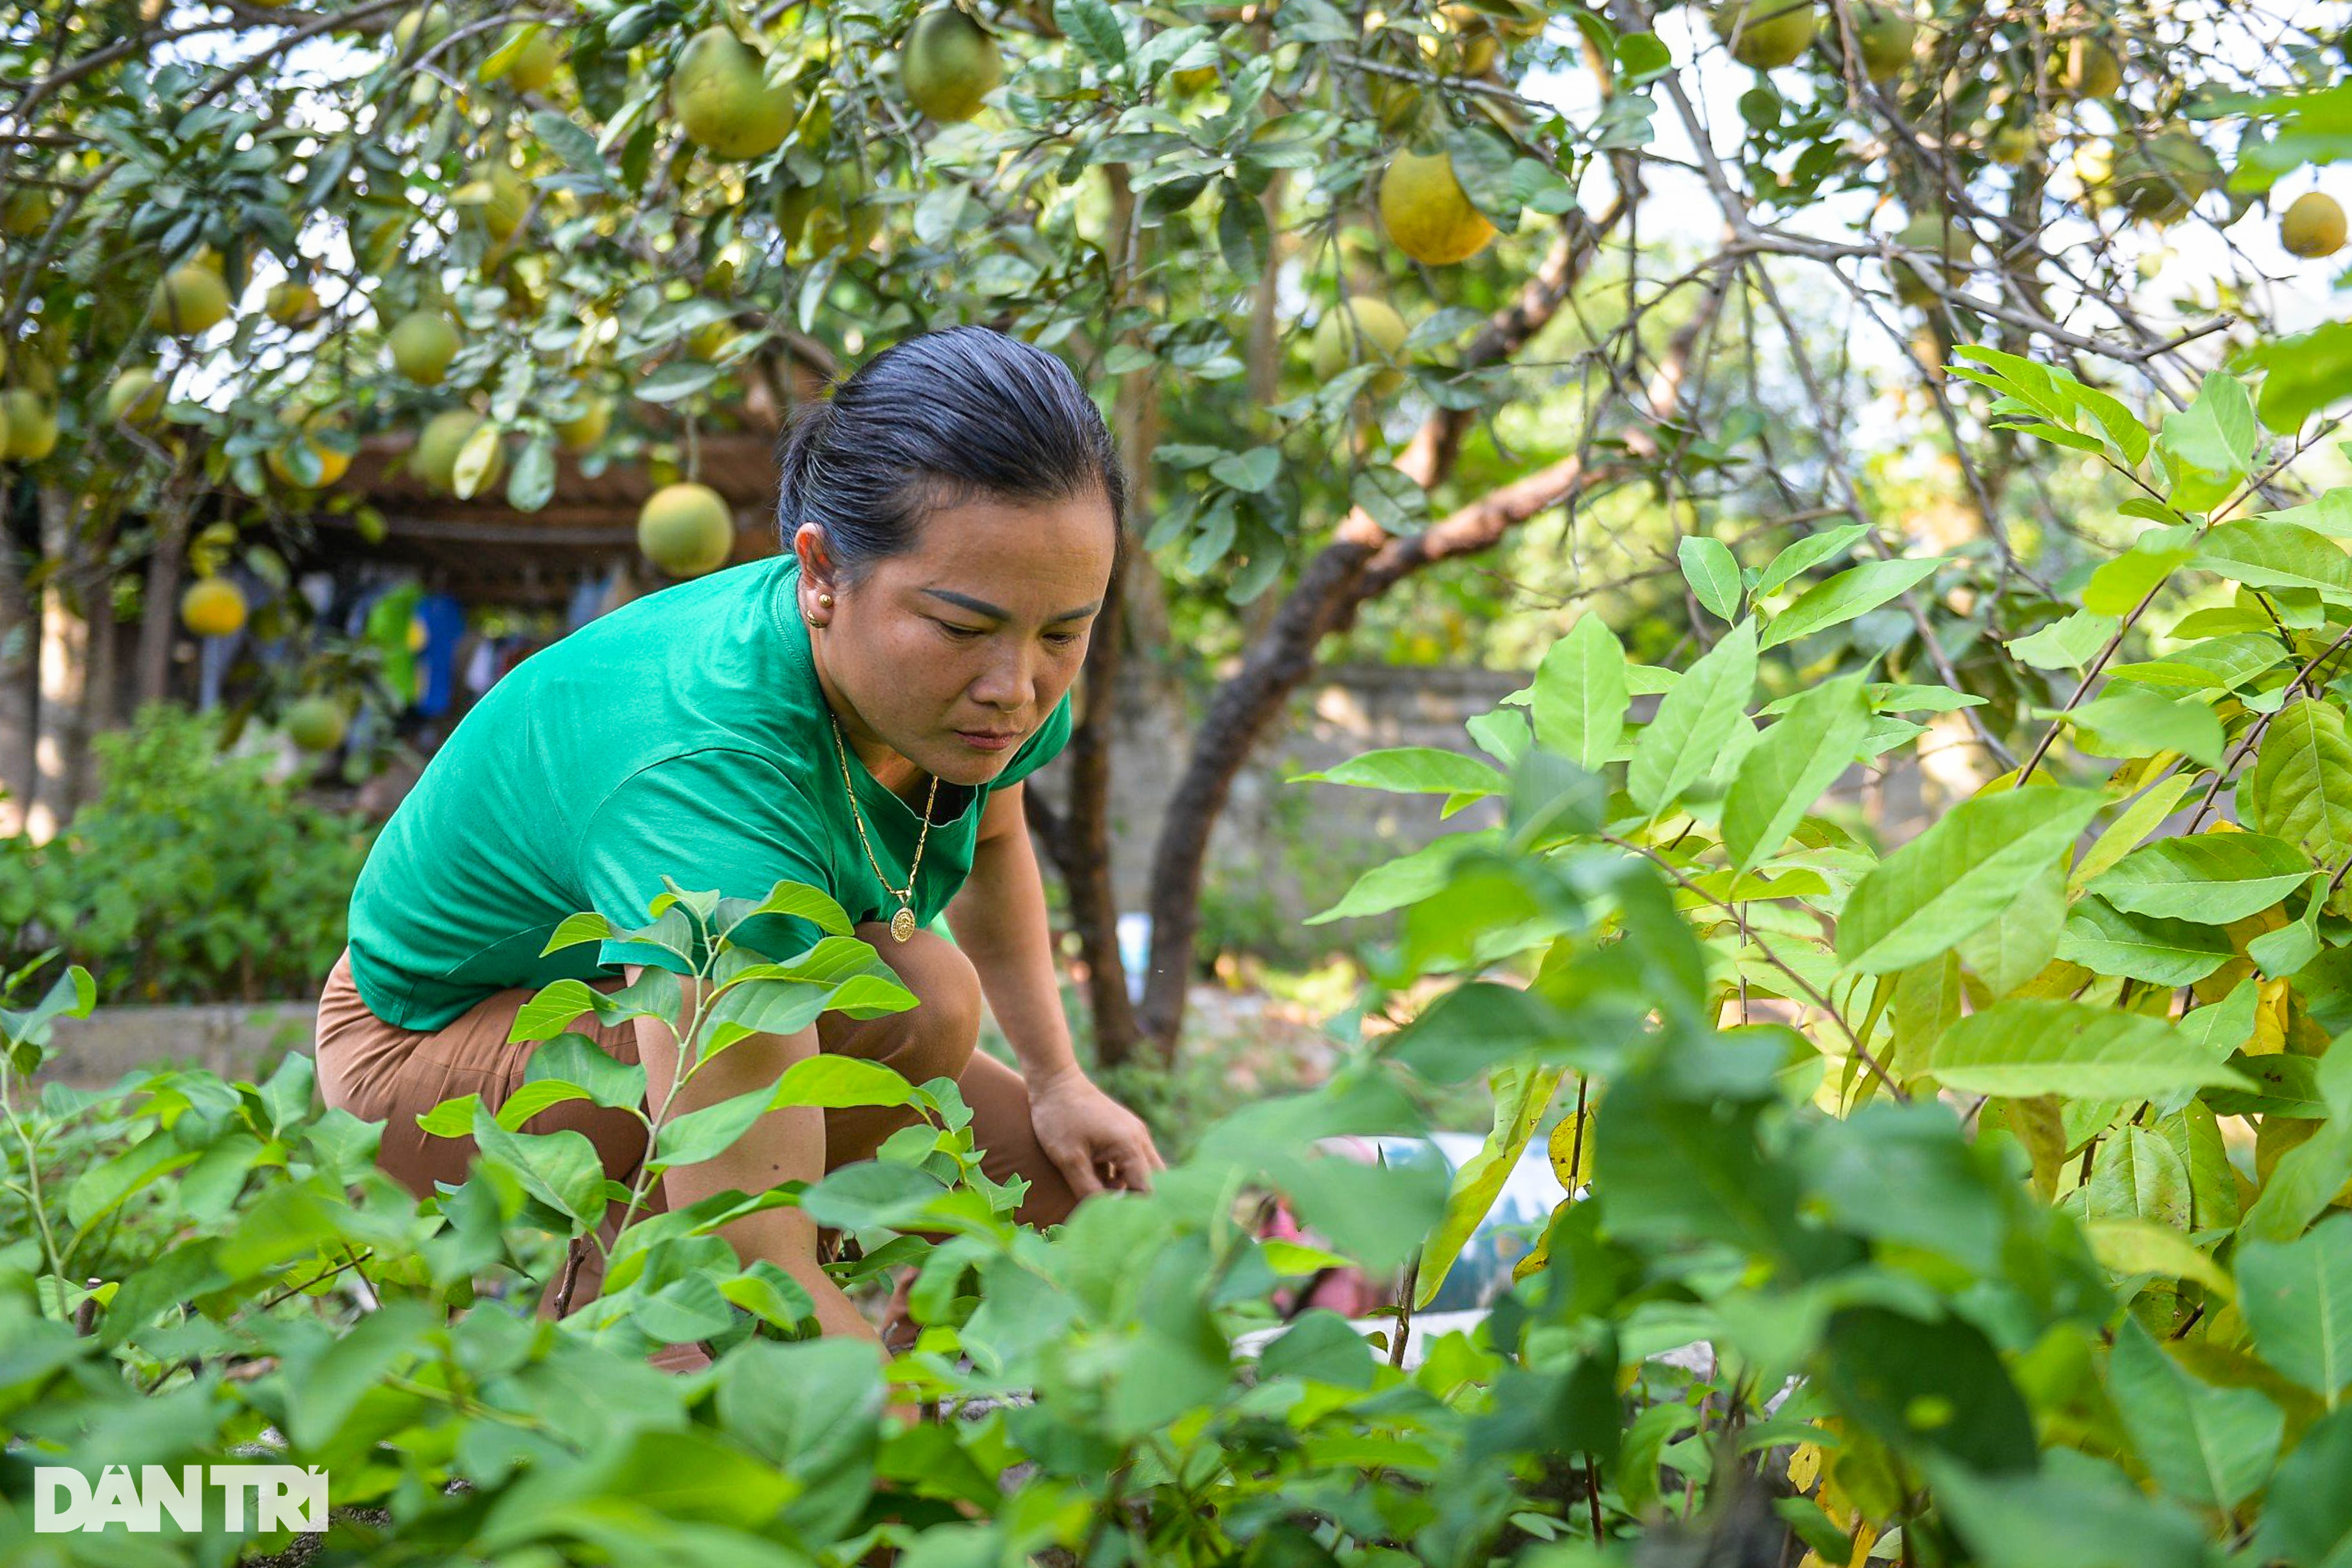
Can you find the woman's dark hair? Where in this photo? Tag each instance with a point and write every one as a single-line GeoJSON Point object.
{"type": "Point", "coordinates": [938, 420]}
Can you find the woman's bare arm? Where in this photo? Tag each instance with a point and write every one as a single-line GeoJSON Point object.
{"type": "Point", "coordinates": [781, 1146]}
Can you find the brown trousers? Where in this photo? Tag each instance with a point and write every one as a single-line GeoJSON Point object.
{"type": "Point", "coordinates": [380, 1073]}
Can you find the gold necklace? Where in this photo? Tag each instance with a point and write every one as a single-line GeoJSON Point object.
{"type": "Point", "coordinates": [902, 924]}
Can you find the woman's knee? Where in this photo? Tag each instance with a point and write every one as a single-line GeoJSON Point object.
{"type": "Point", "coordinates": [944, 1027]}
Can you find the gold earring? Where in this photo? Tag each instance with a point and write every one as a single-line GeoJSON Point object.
{"type": "Point", "coordinates": [824, 601]}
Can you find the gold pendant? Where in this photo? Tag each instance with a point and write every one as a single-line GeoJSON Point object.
{"type": "Point", "coordinates": [902, 924]}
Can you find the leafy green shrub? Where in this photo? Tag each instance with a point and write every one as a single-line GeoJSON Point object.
{"type": "Point", "coordinates": [194, 877]}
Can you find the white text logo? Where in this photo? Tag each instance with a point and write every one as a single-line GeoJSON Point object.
{"type": "Point", "coordinates": [285, 1497]}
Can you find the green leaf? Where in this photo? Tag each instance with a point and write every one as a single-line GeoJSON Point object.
{"type": "Point", "coordinates": [2296, 1297]}
{"type": "Point", "coordinates": [2216, 433]}
{"type": "Point", "coordinates": [1790, 768]}
{"type": "Point", "coordinates": [1580, 696]}
{"type": "Point", "coordinates": [2302, 375]}
{"type": "Point", "coordinates": [2118, 585]}
{"type": "Point", "coordinates": [2131, 721]}
{"type": "Point", "coordinates": [1406, 879]}
{"type": "Point", "coordinates": [2107, 940]}
{"type": "Point", "coordinates": [2019, 942]}
{"type": "Point", "coordinates": [324, 1386]}
{"type": "Point", "coordinates": [578, 1060]}
{"type": "Point", "coordinates": [813, 905]}
{"type": "Point", "coordinates": [1806, 553]}
{"type": "Point", "coordinates": [1413, 770]}
{"type": "Point", "coordinates": [2301, 789]}
{"type": "Point", "coordinates": [2210, 877]}
{"type": "Point", "coordinates": [1095, 27]}
{"type": "Point", "coordinates": [576, 930]}
{"type": "Point", "coordinates": [2208, 1446]}
{"type": "Point", "coordinates": [2277, 555]}
{"type": "Point", "coordinates": [1694, 722]}
{"type": "Point", "coordinates": [837, 1082]}
{"type": "Point", "coordinates": [2030, 1046]}
{"type": "Point", "coordinates": [2137, 1175]}
{"type": "Point", "coordinates": [1249, 472]}
{"type": "Point", "coordinates": [2075, 1512]}
{"type": "Point", "coordinates": [2129, 1246]}
{"type": "Point", "coordinates": [2134, 823]}
{"type": "Point", "coordinates": [1957, 876]}
{"type": "Point", "coordinates": [2307, 1517]}
{"type": "Point", "coordinates": [1854, 592]}
{"type": "Point", "coordinates": [1521, 1096]}
{"type": "Point", "coordinates": [2067, 644]}
{"type": "Point", "coordinates": [1713, 574]}
{"type": "Point", "coordinates": [707, 1133]}
{"type": "Point", "coordinates": [559, 1169]}
{"type": "Point", "coordinates": [551, 1010]}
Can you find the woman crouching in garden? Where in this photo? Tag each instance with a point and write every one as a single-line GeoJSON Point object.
{"type": "Point", "coordinates": [856, 714]}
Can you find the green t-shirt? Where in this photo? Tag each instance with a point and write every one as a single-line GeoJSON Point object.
{"type": "Point", "coordinates": [683, 734]}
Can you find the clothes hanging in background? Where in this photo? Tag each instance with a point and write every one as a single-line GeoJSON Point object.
{"type": "Point", "coordinates": [482, 670]}
{"type": "Point", "coordinates": [445, 627]}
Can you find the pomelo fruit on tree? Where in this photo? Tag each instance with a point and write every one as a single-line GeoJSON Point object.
{"type": "Point", "coordinates": [290, 303]}
{"type": "Point", "coordinates": [1765, 34]}
{"type": "Point", "coordinates": [583, 430]}
{"type": "Point", "coordinates": [2088, 67]}
{"type": "Point", "coordinates": [26, 212]}
{"type": "Point", "coordinates": [432, 21]}
{"type": "Point", "coordinates": [686, 530]}
{"type": "Point", "coordinates": [509, 200]}
{"type": "Point", "coordinates": [31, 425]}
{"type": "Point", "coordinates": [315, 724]}
{"type": "Point", "coordinates": [434, 458]}
{"type": "Point", "coordinates": [135, 397]}
{"type": "Point", "coordinates": [332, 463]}
{"type": "Point", "coordinates": [949, 65]}
{"type": "Point", "coordinates": [1885, 35]}
{"type": "Point", "coordinates": [721, 101]}
{"type": "Point", "coordinates": [190, 299]}
{"type": "Point", "coordinates": [2313, 226]}
{"type": "Point", "coordinates": [1952, 241]}
{"type": "Point", "coordinates": [423, 343]}
{"type": "Point", "coordinates": [1425, 212]}
{"type": "Point", "coordinates": [212, 607]}
{"type": "Point", "coordinates": [534, 66]}
{"type": "Point", "coordinates": [1361, 330]}
{"type": "Point", "coordinates": [2161, 178]}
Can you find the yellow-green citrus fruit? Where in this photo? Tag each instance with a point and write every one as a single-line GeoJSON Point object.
{"type": "Point", "coordinates": [2160, 179]}
{"type": "Point", "coordinates": [332, 464]}
{"type": "Point", "coordinates": [26, 212]}
{"type": "Point", "coordinates": [582, 433]}
{"type": "Point", "coordinates": [534, 64]}
{"type": "Point", "coordinates": [423, 344]}
{"type": "Point", "coordinates": [1765, 34]}
{"type": "Point", "coordinates": [949, 65]}
{"type": "Point", "coordinates": [1952, 242]}
{"type": "Point", "coordinates": [212, 607]}
{"type": "Point", "coordinates": [722, 102]}
{"type": "Point", "coordinates": [135, 397]}
{"type": "Point", "coordinates": [290, 303]}
{"type": "Point", "coordinates": [1395, 104]}
{"type": "Point", "coordinates": [509, 199]}
{"type": "Point", "coordinates": [686, 530]}
{"type": "Point", "coordinates": [1885, 35]}
{"type": "Point", "coordinates": [315, 724]}
{"type": "Point", "coordinates": [31, 432]}
{"type": "Point", "coordinates": [431, 19]}
{"type": "Point", "coordinates": [1470, 45]}
{"type": "Point", "coordinates": [709, 339]}
{"type": "Point", "coordinates": [188, 299]}
{"type": "Point", "coordinates": [434, 458]}
{"type": "Point", "coordinates": [1425, 212]}
{"type": "Point", "coordinates": [2313, 226]}
{"type": "Point", "coordinates": [1187, 82]}
{"type": "Point", "coordinates": [2013, 144]}
{"type": "Point", "coordinates": [2089, 67]}
{"type": "Point", "coordinates": [833, 213]}
{"type": "Point", "coordinates": [1361, 331]}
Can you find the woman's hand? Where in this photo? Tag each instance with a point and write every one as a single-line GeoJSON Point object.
{"type": "Point", "coordinates": [1096, 1141]}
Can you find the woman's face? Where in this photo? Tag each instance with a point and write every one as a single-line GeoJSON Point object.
{"type": "Point", "coordinates": [953, 653]}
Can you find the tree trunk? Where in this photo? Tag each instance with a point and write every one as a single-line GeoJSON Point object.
{"type": "Point", "coordinates": [159, 619]}
{"type": "Point", "coordinates": [102, 683]}
{"type": "Point", "coordinates": [64, 655]}
{"type": "Point", "coordinates": [1359, 562]}
{"type": "Point", "coordinates": [20, 685]}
